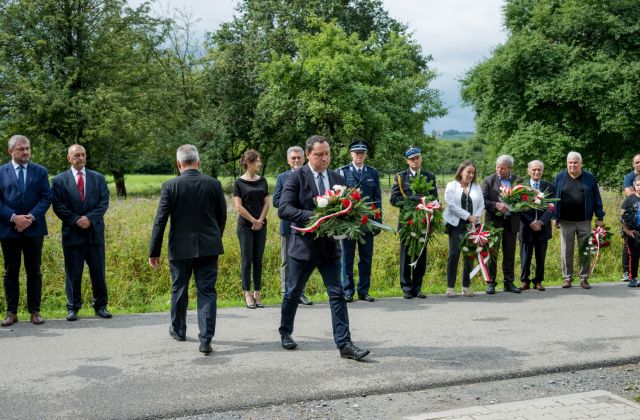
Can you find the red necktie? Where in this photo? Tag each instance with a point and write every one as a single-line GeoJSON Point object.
{"type": "Point", "coordinates": [81, 186]}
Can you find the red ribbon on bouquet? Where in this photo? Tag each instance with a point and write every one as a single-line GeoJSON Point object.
{"type": "Point", "coordinates": [599, 233]}
{"type": "Point", "coordinates": [321, 220]}
{"type": "Point", "coordinates": [480, 238]}
{"type": "Point", "coordinates": [428, 208]}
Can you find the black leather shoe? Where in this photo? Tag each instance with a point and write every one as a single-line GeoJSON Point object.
{"type": "Point", "coordinates": [366, 297]}
{"type": "Point", "coordinates": [509, 287]}
{"type": "Point", "coordinates": [287, 342]}
{"type": "Point", "coordinates": [175, 335]}
{"type": "Point", "coordinates": [304, 300]}
{"type": "Point", "coordinates": [103, 313]}
{"type": "Point", "coordinates": [205, 348]}
{"type": "Point", "coordinates": [421, 295]}
{"type": "Point", "coordinates": [348, 298]}
{"type": "Point", "coordinates": [491, 289]}
{"type": "Point", "coordinates": [351, 351]}
{"type": "Point", "coordinates": [72, 315]}
{"type": "Point", "coordinates": [407, 295]}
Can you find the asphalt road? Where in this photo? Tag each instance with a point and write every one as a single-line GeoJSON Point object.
{"type": "Point", "coordinates": [129, 367]}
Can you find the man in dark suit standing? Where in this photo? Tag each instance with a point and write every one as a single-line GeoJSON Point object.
{"type": "Point", "coordinates": [80, 200]}
{"type": "Point", "coordinates": [498, 214]}
{"type": "Point", "coordinates": [25, 196]}
{"type": "Point", "coordinates": [198, 211]}
{"type": "Point", "coordinates": [535, 231]}
{"type": "Point", "coordinates": [411, 277]}
{"type": "Point", "coordinates": [307, 252]}
{"type": "Point", "coordinates": [364, 177]}
{"type": "Point", "coordinates": [295, 159]}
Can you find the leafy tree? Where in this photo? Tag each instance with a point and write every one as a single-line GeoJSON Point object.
{"type": "Point", "coordinates": [568, 78]}
{"type": "Point", "coordinates": [343, 87]}
{"type": "Point", "coordinates": [241, 76]}
{"type": "Point", "coordinates": [80, 71]}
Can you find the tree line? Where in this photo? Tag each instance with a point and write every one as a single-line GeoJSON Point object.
{"type": "Point", "coordinates": [132, 86]}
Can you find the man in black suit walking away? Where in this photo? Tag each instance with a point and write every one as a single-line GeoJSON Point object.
{"type": "Point", "coordinates": [498, 214]}
{"type": "Point", "coordinates": [198, 211]}
{"type": "Point", "coordinates": [535, 231]}
{"type": "Point", "coordinates": [307, 253]}
{"type": "Point", "coordinates": [80, 200]}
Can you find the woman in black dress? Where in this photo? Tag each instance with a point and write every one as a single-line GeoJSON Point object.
{"type": "Point", "coordinates": [250, 196]}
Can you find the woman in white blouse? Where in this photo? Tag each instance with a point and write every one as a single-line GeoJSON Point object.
{"type": "Point", "coordinates": [465, 204]}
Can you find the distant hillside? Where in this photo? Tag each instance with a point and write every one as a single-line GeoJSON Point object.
{"type": "Point", "coordinates": [453, 135]}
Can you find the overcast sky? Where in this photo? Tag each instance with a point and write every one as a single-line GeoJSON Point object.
{"type": "Point", "coordinates": [456, 33]}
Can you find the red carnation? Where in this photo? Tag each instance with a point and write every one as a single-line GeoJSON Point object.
{"type": "Point", "coordinates": [424, 220]}
{"type": "Point", "coordinates": [373, 206]}
{"type": "Point", "coordinates": [345, 202]}
{"type": "Point", "coordinates": [377, 215]}
{"type": "Point", "coordinates": [525, 197]}
{"type": "Point", "coordinates": [355, 195]}
{"type": "Point", "coordinates": [484, 254]}
{"type": "Point", "coordinates": [364, 219]}
{"type": "Point", "coordinates": [409, 222]}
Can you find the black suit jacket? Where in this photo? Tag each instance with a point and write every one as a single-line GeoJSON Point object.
{"type": "Point", "coordinates": [491, 193]}
{"type": "Point", "coordinates": [69, 208]}
{"type": "Point", "coordinates": [297, 206]}
{"type": "Point", "coordinates": [528, 217]}
{"type": "Point", "coordinates": [198, 211]}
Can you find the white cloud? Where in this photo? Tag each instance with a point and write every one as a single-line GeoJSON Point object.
{"type": "Point", "coordinates": [456, 33]}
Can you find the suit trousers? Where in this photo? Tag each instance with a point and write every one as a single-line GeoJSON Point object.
{"type": "Point", "coordinates": [568, 233]}
{"type": "Point", "coordinates": [508, 243]}
{"type": "Point", "coordinates": [411, 278]}
{"type": "Point", "coordinates": [205, 271]}
{"type": "Point", "coordinates": [284, 262]}
{"type": "Point", "coordinates": [299, 273]}
{"type": "Point", "coordinates": [365, 256]}
{"type": "Point", "coordinates": [455, 237]}
{"type": "Point", "coordinates": [527, 251]}
{"type": "Point", "coordinates": [74, 259]}
{"type": "Point", "coordinates": [252, 244]}
{"type": "Point", "coordinates": [12, 250]}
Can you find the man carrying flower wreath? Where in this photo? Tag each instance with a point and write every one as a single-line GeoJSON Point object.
{"type": "Point", "coordinates": [580, 200]}
{"type": "Point", "coordinates": [411, 274]}
{"type": "Point", "coordinates": [498, 214]}
{"type": "Point", "coordinates": [307, 252]}
{"type": "Point", "coordinates": [364, 177]}
{"type": "Point", "coordinates": [535, 230]}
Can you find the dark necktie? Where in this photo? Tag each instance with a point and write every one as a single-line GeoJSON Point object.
{"type": "Point", "coordinates": [81, 186]}
{"type": "Point", "coordinates": [321, 188]}
{"type": "Point", "coordinates": [359, 174]}
{"type": "Point", "coordinates": [21, 178]}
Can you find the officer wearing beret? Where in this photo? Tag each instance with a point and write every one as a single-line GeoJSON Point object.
{"type": "Point", "coordinates": [411, 278]}
{"type": "Point", "coordinates": [357, 174]}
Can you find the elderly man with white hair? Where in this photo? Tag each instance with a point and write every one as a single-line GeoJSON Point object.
{"type": "Point", "coordinates": [579, 201]}
{"type": "Point", "coordinates": [498, 214]}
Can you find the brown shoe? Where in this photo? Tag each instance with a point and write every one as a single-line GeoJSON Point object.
{"type": "Point", "coordinates": [540, 287]}
{"type": "Point", "coordinates": [36, 318]}
{"type": "Point", "coordinates": [525, 286]}
{"type": "Point", "coordinates": [10, 319]}
{"type": "Point", "coordinates": [585, 284]}
{"type": "Point", "coordinates": [566, 284]}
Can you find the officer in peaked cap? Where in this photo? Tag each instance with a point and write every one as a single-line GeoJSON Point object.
{"type": "Point", "coordinates": [357, 174]}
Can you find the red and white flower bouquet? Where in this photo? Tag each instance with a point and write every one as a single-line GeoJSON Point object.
{"type": "Point", "coordinates": [341, 213]}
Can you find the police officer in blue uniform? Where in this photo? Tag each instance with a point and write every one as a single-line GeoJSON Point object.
{"type": "Point", "coordinates": [357, 174]}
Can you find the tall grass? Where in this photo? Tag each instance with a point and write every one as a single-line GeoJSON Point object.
{"type": "Point", "coordinates": [135, 287]}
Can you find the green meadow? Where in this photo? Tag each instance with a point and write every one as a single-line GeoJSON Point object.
{"type": "Point", "coordinates": [134, 287]}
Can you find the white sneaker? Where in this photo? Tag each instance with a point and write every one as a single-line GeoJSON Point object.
{"type": "Point", "coordinates": [451, 293]}
{"type": "Point", "coordinates": [625, 277]}
{"type": "Point", "coordinates": [467, 292]}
